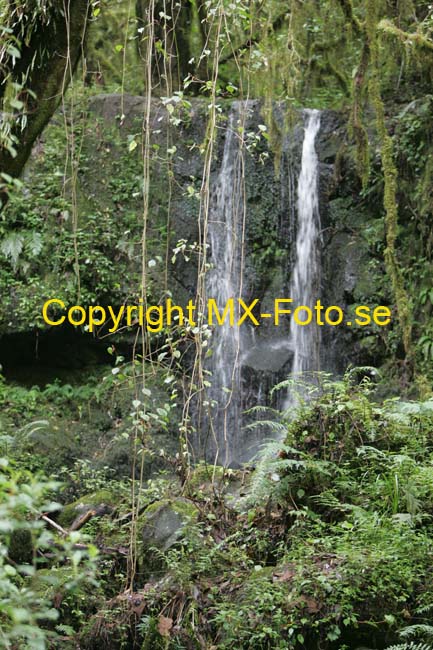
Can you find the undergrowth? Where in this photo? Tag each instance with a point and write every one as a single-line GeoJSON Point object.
{"type": "Point", "coordinates": [327, 543]}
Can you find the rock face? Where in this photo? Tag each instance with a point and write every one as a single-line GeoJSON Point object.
{"type": "Point", "coordinates": [162, 529]}
{"type": "Point", "coordinates": [162, 526]}
{"type": "Point", "coordinates": [109, 190]}
{"type": "Point", "coordinates": [98, 503]}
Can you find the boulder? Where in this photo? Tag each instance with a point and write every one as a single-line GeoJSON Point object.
{"type": "Point", "coordinates": [163, 525]}
{"type": "Point", "coordinates": [101, 503]}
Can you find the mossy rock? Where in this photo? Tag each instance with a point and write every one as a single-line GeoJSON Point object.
{"type": "Point", "coordinates": [206, 473]}
{"type": "Point", "coordinates": [85, 503]}
{"type": "Point", "coordinates": [178, 504]}
{"type": "Point", "coordinates": [206, 479]}
{"type": "Point", "coordinates": [162, 525]}
{"type": "Point", "coordinates": [48, 582]}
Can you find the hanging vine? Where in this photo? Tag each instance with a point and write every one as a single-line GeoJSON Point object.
{"type": "Point", "coordinates": [403, 302]}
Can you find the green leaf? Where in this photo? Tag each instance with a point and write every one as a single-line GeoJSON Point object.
{"type": "Point", "coordinates": [34, 243]}
{"type": "Point", "coordinates": [13, 51]}
{"type": "Point", "coordinates": [12, 246]}
{"type": "Point", "coordinates": [16, 103]}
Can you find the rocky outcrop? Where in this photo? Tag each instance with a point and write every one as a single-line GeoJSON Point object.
{"type": "Point", "coordinates": [110, 205]}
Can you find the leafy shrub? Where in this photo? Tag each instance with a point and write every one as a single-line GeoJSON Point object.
{"type": "Point", "coordinates": [27, 614]}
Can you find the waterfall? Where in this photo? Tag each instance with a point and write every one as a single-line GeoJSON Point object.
{"type": "Point", "coordinates": [304, 285]}
{"type": "Point", "coordinates": [245, 362]}
{"type": "Point", "coordinates": [224, 281]}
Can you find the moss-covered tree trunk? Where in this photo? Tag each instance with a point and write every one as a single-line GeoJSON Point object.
{"type": "Point", "coordinates": [50, 49]}
{"type": "Point", "coordinates": [367, 85]}
{"type": "Point", "coordinates": [401, 297]}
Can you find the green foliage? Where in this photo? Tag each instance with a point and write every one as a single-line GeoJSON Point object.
{"type": "Point", "coordinates": [409, 646]}
{"type": "Point", "coordinates": [330, 539]}
{"type": "Point", "coordinates": [331, 544]}
{"type": "Point", "coordinates": [27, 613]}
{"type": "Point", "coordinates": [37, 237]}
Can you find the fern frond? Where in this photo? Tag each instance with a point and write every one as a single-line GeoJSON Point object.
{"type": "Point", "coordinates": [32, 427]}
{"type": "Point", "coordinates": [12, 246]}
{"type": "Point", "coordinates": [34, 243]}
{"type": "Point", "coordinates": [328, 500]}
{"type": "Point", "coordinates": [421, 631]}
{"type": "Point", "coordinates": [273, 449]}
{"type": "Point", "coordinates": [275, 461]}
{"type": "Point", "coordinates": [261, 408]}
{"type": "Point", "coordinates": [411, 646]}
{"type": "Point", "coordinates": [278, 427]}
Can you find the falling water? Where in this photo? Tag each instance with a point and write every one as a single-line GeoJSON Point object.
{"type": "Point", "coordinates": [238, 354]}
{"type": "Point", "coordinates": [304, 286]}
{"type": "Point", "coordinates": [224, 281]}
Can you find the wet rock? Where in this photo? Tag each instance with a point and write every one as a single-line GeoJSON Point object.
{"type": "Point", "coordinates": [165, 523]}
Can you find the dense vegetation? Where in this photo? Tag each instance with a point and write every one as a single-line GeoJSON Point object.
{"type": "Point", "coordinates": [112, 534]}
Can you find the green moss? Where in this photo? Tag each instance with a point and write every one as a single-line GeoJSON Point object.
{"type": "Point", "coordinates": [185, 508]}
{"type": "Point", "coordinates": [48, 581]}
{"type": "Point", "coordinates": [402, 300]}
{"type": "Point", "coordinates": [356, 122]}
{"type": "Point", "coordinates": [426, 200]}
{"type": "Point", "coordinates": [181, 506]}
{"type": "Point", "coordinates": [204, 473]}
{"type": "Point", "coordinates": [68, 591]}
{"type": "Point", "coordinates": [71, 511]}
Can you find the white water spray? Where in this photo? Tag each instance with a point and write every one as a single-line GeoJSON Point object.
{"type": "Point", "coordinates": [304, 286]}
{"type": "Point", "coordinates": [224, 281]}
{"type": "Point", "coordinates": [226, 439]}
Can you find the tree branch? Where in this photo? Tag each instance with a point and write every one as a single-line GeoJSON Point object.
{"type": "Point", "coordinates": [349, 14]}
{"type": "Point", "coordinates": [49, 60]}
{"type": "Point", "coordinates": [414, 39]}
{"type": "Point", "coordinates": [277, 24]}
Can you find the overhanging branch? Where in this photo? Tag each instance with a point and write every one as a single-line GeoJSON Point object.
{"type": "Point", "coordinates": [276, 25]}
{"type": "Point", "coordinates": [49, 60]}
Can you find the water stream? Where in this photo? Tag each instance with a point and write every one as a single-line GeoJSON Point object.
{"type": "Point", "coordinates": [244, 360]}
{"type": "Point", "coordinates": [305, 280]}
{"type": "Point", "coordinates": [224, 282]}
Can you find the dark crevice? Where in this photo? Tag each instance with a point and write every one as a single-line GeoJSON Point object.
{"type": "Point", "coordinates": [39, 358]}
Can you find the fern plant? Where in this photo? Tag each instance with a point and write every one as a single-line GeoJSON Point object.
{"type": "Point", "coordinates": [14, 244]}
{"type": "Point", "coordinates": [411, 646]}
{"type": "Point", "coordinates": [418, 631]}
